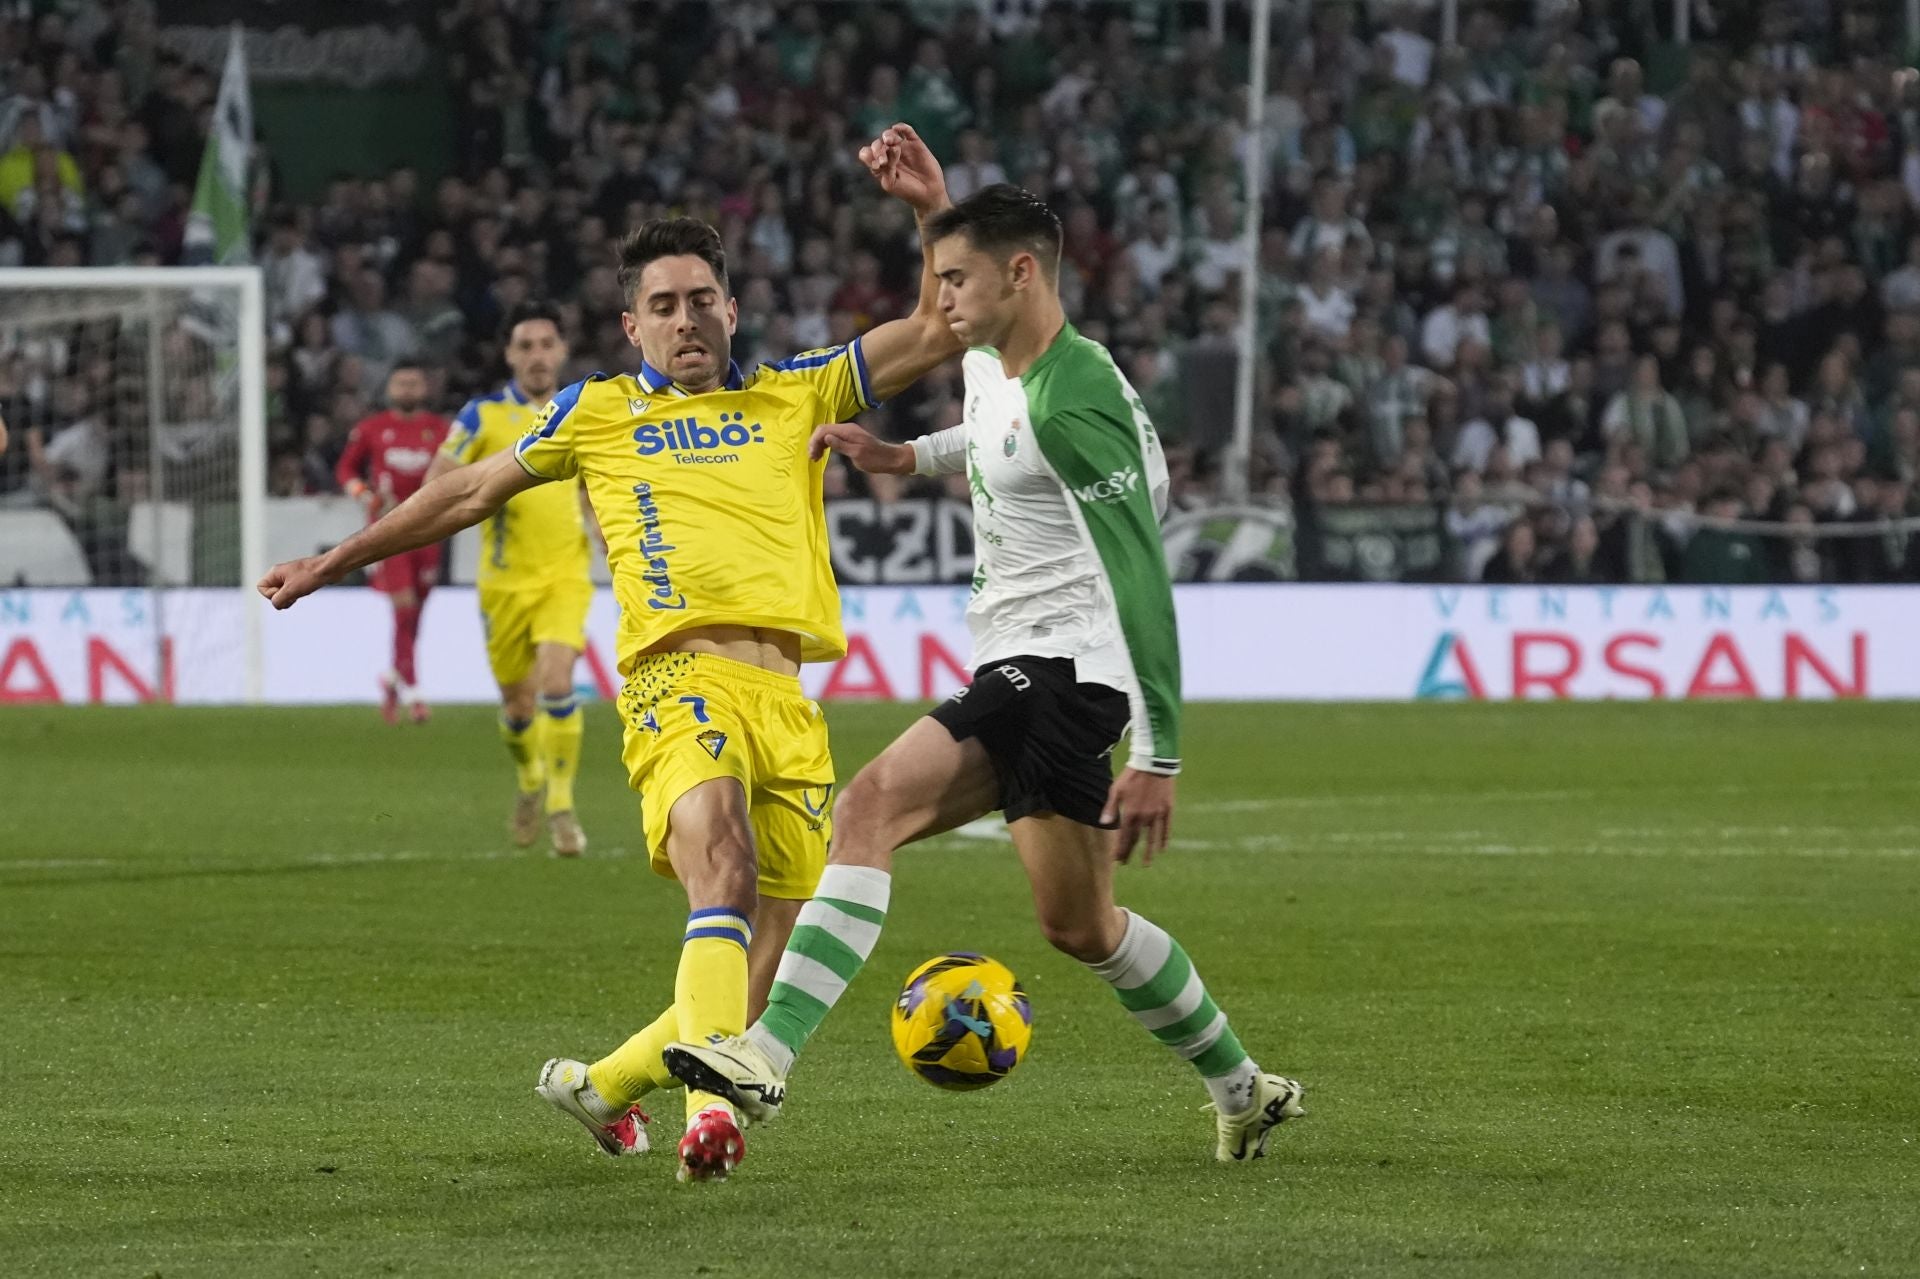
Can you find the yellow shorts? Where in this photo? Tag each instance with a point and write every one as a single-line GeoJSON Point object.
{"type": "Point", "coordinates": [517, 620]}
{"type": "Point", "coordinates": [694, 717]}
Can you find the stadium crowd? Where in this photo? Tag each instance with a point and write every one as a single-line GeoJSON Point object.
{"type": "Point", "coordinates": [1567, 284]}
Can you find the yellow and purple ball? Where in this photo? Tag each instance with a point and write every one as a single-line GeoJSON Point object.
{"type": "Point", "coordinates": [961, 1021]}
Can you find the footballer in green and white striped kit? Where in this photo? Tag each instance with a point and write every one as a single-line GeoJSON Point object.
{"type": "Point", "coordinates": [1074, 641]}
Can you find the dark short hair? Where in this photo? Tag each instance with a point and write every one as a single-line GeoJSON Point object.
{"type": "Point", "coordinates": [1003, 219]}
{"type": "Point", "coordinates": [659, 238]}
{"type": "Point", "coordinates": [401, 366]}
{"type": "Point", "coordinates": [532, 309]}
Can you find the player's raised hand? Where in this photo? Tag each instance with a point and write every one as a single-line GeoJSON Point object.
{"type": "Point", "coordinates": [905, 168]}
{"type": "Point", "coordinates": [1142, 804]}
{"type": "Point", "coordinates": [858, 446]}
{"type": "Point", "coordinates": [293, 580]}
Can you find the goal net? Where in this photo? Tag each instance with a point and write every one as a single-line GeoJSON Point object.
{"type": "Point", "coordinates": [132, 490]}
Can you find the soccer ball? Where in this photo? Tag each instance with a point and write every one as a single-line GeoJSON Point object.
{"type": "Point", "coordinates": [961, 1021]}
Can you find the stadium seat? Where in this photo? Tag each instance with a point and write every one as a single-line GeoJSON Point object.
{"type": "Point", "coordinates": [160, 537]}
{"type": "Point", "coordinates": [298, 526]}
{"type": "Point", "coordinates": [38, 549]}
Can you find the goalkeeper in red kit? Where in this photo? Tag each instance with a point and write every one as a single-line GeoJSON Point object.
{"type": "Point", "coordinates": [386, 459]}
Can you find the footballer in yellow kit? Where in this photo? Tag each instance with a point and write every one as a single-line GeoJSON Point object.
{"type": "Point", "coordinates": [703, 484]}
{"type": "Point", "coordinates": [534, 586]}
{"type": "Point", "coordinates": [714, 513]}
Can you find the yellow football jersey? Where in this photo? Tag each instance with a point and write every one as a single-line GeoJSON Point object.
{"type": "Point", "coordinates": [537, 536]}
{"type": "Point", "coordinates": [711, 510]}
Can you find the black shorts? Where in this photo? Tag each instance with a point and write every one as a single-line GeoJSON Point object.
{"type": "Point", "coordinates": [1050, 737]}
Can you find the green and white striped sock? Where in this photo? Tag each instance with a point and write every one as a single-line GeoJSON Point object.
{"type": "Point", "coordinates": [834, 935]}
{"type": "Point", "coordinates": [1159, 985]}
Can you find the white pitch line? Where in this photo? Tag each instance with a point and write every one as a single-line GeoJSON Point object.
{"type": "Point", "coordinates": [1478, 844]}
{"type": "Point", "coordinates": [57, 863]}
{"type": "Point", "coordinates": [1475, 843]}
{"type": "Point", "coordinates": [1391, 799]}
{"type": "Point", "coordinates": [991, 829]}
{"type": "Point", "coordinates": [1646, 842]}
{"type": "Point", "coordinates": [1753, 832]}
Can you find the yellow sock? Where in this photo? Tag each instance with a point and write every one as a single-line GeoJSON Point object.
{"type": "Point", "coordinates": [560, 748]}
{"type": "Point", "coordinates": [522, 737]}
{"type": "Point", "coordinates": [710, 989]}
{"type": "Point", "coordinates": [635, 1069]}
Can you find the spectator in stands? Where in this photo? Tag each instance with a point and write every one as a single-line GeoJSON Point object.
{"type": "Point", "coordinates": [365, 326]}
{"type": "Point", "coordinates": [1474, 524]}
{"type": "Point", "coordinates": [1501, 426]}
{"type": "Point", "coordinates": [1524, 220]}
{"type": "Point", "coordinates": [1326, 305]}
{"type": "Point", "coordinates": [1326, 403]}
{"type": "Point", "coordinates": [1578, 562]}
{"type": "Point", "coordinates": [1900, 289]}
{"type": "Point", "coordinates": [1715, 554]}
{"type": "Point", "coordinates": [436, 325]}
{"type": "Point", "coordinates": [1217, 253]}
{"type": "Point", "coordinates": [296, 275]}
{"type": "Point", "coordinates": [1837, 394]}
{"type": "Point", "coordinates": [1462, 319]}
{"type": "Point", "coordinates": [1157, 250]}
{"type": "Point", "coordinates": [35, 170]}
{"type": "Point", "coordinates": [1647, 418]}
{"type": "Point", "coordinates": [70, 460]}
{"type": "Point", "coordinates": [1517, 560]}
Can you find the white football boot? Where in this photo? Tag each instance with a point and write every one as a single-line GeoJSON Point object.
{"type": "Point", "coordinates": [1276, 1099]}
{"type": "Point", "coordinates": [569, 839]}
{"type": "Point", "coordinates": [564, 1086]}
{"type": "Point", "coordinates": [524, 826]}
{"type": "Point", "coordinates": [733, 1068]}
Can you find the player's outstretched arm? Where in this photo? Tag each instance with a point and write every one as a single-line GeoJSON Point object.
{"type": "Point", "coordinates": [862, 448]}
{"type": "Point", "coordinates": [441, 464]}
{"type": "Point", "coordinates": [900, 352]}
{"type": "Point", "coordinates": [941, 453]}
{"type": "Point", "coordinates": [459, 499]}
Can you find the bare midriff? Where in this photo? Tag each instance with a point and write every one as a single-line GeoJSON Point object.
{"type": "Point", "coordinates": [770, 650]}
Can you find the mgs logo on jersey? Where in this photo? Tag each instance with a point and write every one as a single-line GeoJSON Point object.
{"type": "Point", "coordinates": [1113, 488]}
{"type": "Point", "coordinates": [694, 444]}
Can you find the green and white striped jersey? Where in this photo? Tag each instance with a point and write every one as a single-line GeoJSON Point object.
{"type": "Point", "coordinates": [1068, 485]}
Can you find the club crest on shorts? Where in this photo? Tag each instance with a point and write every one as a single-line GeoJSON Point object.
{"type": "Point", "coordinates": [806, 798]}
{"type": "Point", "coordinates": [713, 741]}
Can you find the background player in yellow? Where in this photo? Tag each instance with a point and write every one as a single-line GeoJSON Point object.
{"type": "Point", "coordinates": [717, 543]}
{"type": "Point", "coordinates": [534, 585]}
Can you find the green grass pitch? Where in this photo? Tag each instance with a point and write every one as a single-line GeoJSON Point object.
{"type": "Point", "coordinates": [1575, 990]}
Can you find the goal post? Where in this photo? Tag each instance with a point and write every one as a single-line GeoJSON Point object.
{"type": "Point", "coordinates": [144, 393]}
